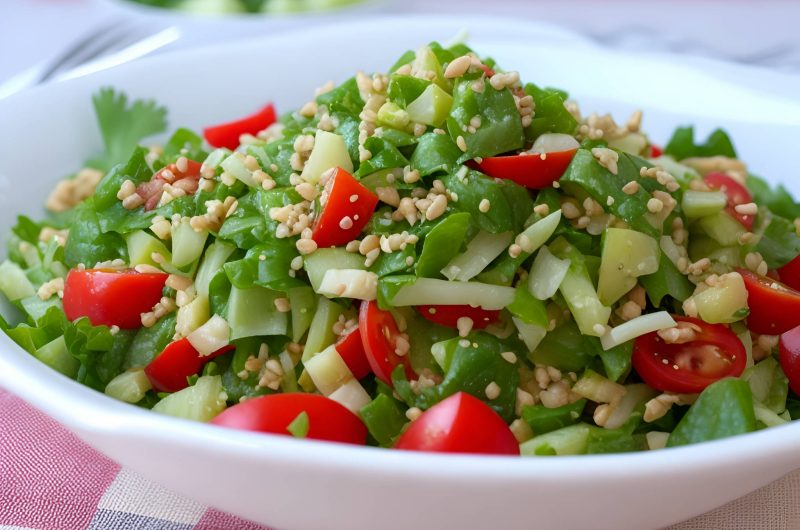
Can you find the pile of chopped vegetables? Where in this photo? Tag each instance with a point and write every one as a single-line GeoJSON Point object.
{"type": "Point", "coordinates": [436, 258]}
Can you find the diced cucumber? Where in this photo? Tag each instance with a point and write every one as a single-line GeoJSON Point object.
{"type": "Point", "coordinates": [329, 151]}
{"type": "Point", "coordinates": [633, 143]}
{"type": "Point", "coordinates": [187, 244]}
{"type": "Point", "coordinates": [30, 254]}
{"type": "Point", "coordinates": [597, 388]}
{"type": "Point", "coordinates": [215, 157]}
{"type": "Point", "coordinates": [328, 370]}
{"type": "Point", "coordinates": [56, 355]}
{"type": "Point", "coordinates": [579, 292]}
{"type": "Point", "coordinates": [696, 204]}
{"type": "Point", "coordinates": [767, 416]}
{"type": "Point", "coordinates": [215, 257]}
{"type": "Point", "coordinates": [656, 440]}
{"type": "Point", "coordinates": [129, 386]}
{"type": "Point", "coordinates": [358, 284]}
{"type": "Point", "coordinates": [252, 312]}
{"type": "Point", "coordinates": [13, 282]}
{"type": "Point", "coordinates": [546, 274]}
{"type": "Point", "coordinates": [531, 334]}
{"type": "Point", "coordinates": [325, 259]}
{"type": "Point", "coordinates": [192, 315]}
{"type": "Point", "coordinates": [429, 291]}
{"type": "Point", "coordinates": [681, 172]}
{"type": "Point", "coordinates": [635, 395]}
{"type": "Point", "coordinates": [36, 307]}
{"type": "Point", "coordinates": [391, 115]}
{"type": "Point", "coordinates": [636, 327]}
{"type": "Point", "coordinates": [142, 246]}
{"type": "Point", "coordinates": [431, 107]}
{"type": "Point", "coordinates": [704, 247]}
{"type": "Point", "coordinates": [425, 60]}
{"type": "Point", "coordinates": [539, 232]}
{"type": "Point", "coordinates": [200, 402]}
{"type": "Point", "coordinates": [627, 254]}
{"type": "Point", "coordinates": [303, 302]}
{"type": "Point", "coordinates": [722, 228]}
{"type": "Point", "coordinates": [211, 336]}
{"type": "Point", "coordinates": [289, 378]}
{"type": "Point", "coordinates": [234, 165]}
{"type": "Point", "coordinates": [571, 440]}
{"type": "Point", "coordinates": [352, 395]}
{"type": "Point", "coordinates": [723, 303]}
{"type": "Point", "coordinates": [320, 334]}
{"type": "Point", "coordinates": [480, 252]}
{"type": "Point", "coordinates": [768, 384]}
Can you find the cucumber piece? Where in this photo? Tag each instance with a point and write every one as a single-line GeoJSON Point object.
{"type": "Point", "coordinates": [13, 282]}
{"type": "Point", "coordinates": [723, 303]}
{"type": "Point", "coordinates": [142, 246]}
{"type": "Point", "coordinates": [211, 336]}
{"type": "Point", "coordinates": [329, 151]}
{"type": "Point", "coordinates": [705, 247]}
{"type": "Point", "coordinates": [56, 355]}
{"type": "Point", "coordinates": [768, 384]}
{"type": "Point", "coordinates": [391, 115]}
{"type": "Point", "coordinates": [200, 402]}
{"type": "Point", "coordinates": [36, 307]}
{"type": "Point", "coordinates": [328, 371]}
{"type": "Point", "coordinates": [627, 254]}
{"type": "Point", "coordinates": [431, 107]}
{"type": "Point", "coordinates": [540, 231]}
{"type": "Point", "coordinates": [696, 204]}
{"type": "Point", "coordinates": [425, 60]}
{"type": "Point", "coordinates": [635, 395]}
{"type": "Point", "coordinates": [571, 440]}
{"type": "Point", "coordinates": [215, 257]}
{"type": "Point", "coordinates": [636, 327]}
{"type": "Point", "coordinates": [430, 291]}
{"type": "Point", "coordinates": [192, 315]}
{"type": "Point", "coordinates": [358, 284]}
{"type": "Point", "coordinates": [303, 302]}
{"type": "Point", "coordinates": [325, 259]}
{"type": "Point", "coordinates": [579, 292]}
{"type": "Point", "coordinates": [129, 386]}
{"type": "Point", "coordinates": [722, 228]}
{"type": "Point", "coordinates": [352, 395]}
{"type": "Point", "coordinates": [252, 312]}
{"type": "Point", "coordinates": [531, 334]}
{"type": "Point", "coordinates": [633, 143]}
{"type": "Point", "coordinates": [546, 274]}
{"type": "Point", "coordinates": [320, 334]}
{"type": "Point", "coordinates": [187, 244]}
{"type": "Point", "coordinates": [234, 165]}
{"type": "Point", "coordinates": [480, 252]}
{"type": "Point", "coordinates": [597, 388]}
{"type": "Point", "coordinates": [289, 378]}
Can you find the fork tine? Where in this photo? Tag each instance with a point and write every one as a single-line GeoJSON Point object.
{"type": "Point", "coordinates": [87, 48]}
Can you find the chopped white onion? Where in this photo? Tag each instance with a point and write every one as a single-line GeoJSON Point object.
{"type": "Point", "coordinates": [636, 328]}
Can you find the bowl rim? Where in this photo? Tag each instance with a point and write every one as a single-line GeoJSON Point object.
{"type": "Point", "coordinates": [87, 411]}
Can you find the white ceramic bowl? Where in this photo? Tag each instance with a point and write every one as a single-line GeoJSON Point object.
{"type": "Point", "coordinates": [295, 484]}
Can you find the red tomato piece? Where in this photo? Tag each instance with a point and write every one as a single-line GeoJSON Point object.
{"type": "Point", "coordinates": [179, 360]}
{"type": "Point", "coordinates": [789, 353]}
{"type": "Point", "coordinates": [327, 419]}
{"type": "Point", "coordinates": [529, 170]}
{"type": "Point", "coordinates": [655, 151]}
{"type": "Point", "coordinates": [187, 181]}
{"type": "Point", "coordinates": [459, 424]}
{"type": "Point", "coordinates": [351, 349]}
{"type": "Point", "coordinates": [774, 306]}
{"type": "Point", "coordinates": [379, 334]}
{"type": "Point", "coordinates": [227, 134]}
{"type": "Point", "coordinates": [346, 208]}
{"type": "Point", "coordinates": [111, 298]}
{"type": "Point", "coordinates": [790, 273]}
{"type": "Point", "coordinates": [448, 315]}
{"type": "Point", "coordinates": [737, 194]}
{"type": "Point", "coordinates": [688, 367]}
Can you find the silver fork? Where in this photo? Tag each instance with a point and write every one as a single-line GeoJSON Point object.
{"type": "Point", "coordinates": [109, 44]}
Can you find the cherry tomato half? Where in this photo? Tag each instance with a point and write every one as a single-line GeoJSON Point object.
{"type": "Point", "coordinates": [529, 170]}
{"type": "Point", "coordinates": [774, 306]}
{"type": "Point", "coordinates": [327, 419]}
{"type": "Point", "coordinates": [448, 315]}
{"type": "Point", "coordinates": [111, 298]}
{"type": "Point", "coordinates": [351, 349]}
{"type": "Point", "coordinates": [179, 360]}
{"type": "Point", "coordinates": [187, 181]}
{"type": "Point", "coordinates": [346, 208]}
{"type": "Point", "coordinates": [379, 334]}
{"type": "Point", "coordinates": [227, 134]}
{"type": "Point", "coordinates": [459, 424]}
{"type": "Point", "coordinates": [716, 352]}
{"type": "Point", "coordinates": [737, 194]}
{"type": "Point", "coordinates": [790, 273]}
{"type": "Point", "coordinates": [789, 352]}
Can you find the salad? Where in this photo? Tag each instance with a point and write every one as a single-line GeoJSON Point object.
{"type": "Point", "coordinates": [440, 257]}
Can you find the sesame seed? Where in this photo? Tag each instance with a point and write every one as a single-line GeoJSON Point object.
{"type": "Point", "coordinates": [413, 413]}
{"type": "Point", "coordinates": [655, 205]}
{"type": "Point", "coordinates": [492, 390]}
{"type": "Point", "coordinates": [282, 305]}
{"type": "Point", "coordinates": [609, 201]}
{"type": "Point", "coordinates": [542, 209]}
{"type": "Point", "coordinates": [631, 188]}
{"type": "Point", "coordinates": [509, 356]}
{"type": "Point", "coordinates": [599, 329]}
{"type": "Point", "coordinates": [484, 205]}
{"type": "Point", "coordinates": [306, 245]}
{"type": "Point", "coordinates": [461, 143]}
{"type": "Point", "coordinates": [464, 326]}
{"type": "Point", "coordinates": [749, 208]}
{"type": "Point", "coordinates": [457, 67]}
{"type": "Point", "coordinates": [514, 250]}
{"type": "Point", "coordinates": [353, 197]}
{"type": "Point", "coordinates": [346, 223]}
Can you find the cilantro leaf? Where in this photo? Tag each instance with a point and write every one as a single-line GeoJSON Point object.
{"type": "Point", "coordinates": [682, 144]}
{"type": "Point", "coordinates": [122, 126]}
